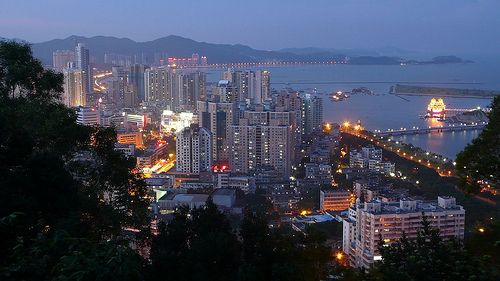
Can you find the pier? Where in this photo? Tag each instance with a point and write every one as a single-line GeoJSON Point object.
{"type": "Point", "coordinates": [417, 130]}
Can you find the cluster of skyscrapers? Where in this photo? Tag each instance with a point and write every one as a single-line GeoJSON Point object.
{"type": "Point", "coordinates": [251, 130]}
{"type": "Point", "coordinates": [240, 123]}
{"type": "Point", "coordinates": [238, 130]}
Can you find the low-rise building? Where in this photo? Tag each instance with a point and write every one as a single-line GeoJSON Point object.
{"type": "Point", "coordinates": [171, 201]}
{"type": "Point", "coordinates": [149, 156]}
{"type": "Point", "coordinates": [127, 149]}
{"type": "Point", "coordinates": [244, 183]}
{"type": "Point", "coordinates": [335, 200]}
{"type": "Point", "coordinates": [370, 158]}
{"type": "Point", "coordinates": [126, 137]}
{"type": "Point", "coordinates": [87, 116]}
{"type": "Point", "coordinates": [322, 172]}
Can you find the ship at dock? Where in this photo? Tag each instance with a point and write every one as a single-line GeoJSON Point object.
{"type": "Point", "coordinates": [436, 108]}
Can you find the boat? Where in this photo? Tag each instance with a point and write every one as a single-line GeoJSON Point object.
{"type": "Point", "coordinates": [436, 108]}
{"type": "Point", "coordinates": [338, 96]}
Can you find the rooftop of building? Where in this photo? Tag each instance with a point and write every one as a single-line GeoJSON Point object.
{"type": "Point", "coordinates": [397, 207]}
{"type": "Point", "coordinates": [185, 197]}
{"type": "Point", "coordinates": [157, 181]}
{"type": "Point", "coordinates": [335, 190]}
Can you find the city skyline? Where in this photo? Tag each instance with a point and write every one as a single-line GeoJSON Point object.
{"type": "Point", "coordinates": [447, 26]}
{"type": "Point", "coordinates": [259, 140]}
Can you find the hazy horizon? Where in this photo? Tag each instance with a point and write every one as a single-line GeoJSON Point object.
{"type": "Point", "coordinates": [447, 26]}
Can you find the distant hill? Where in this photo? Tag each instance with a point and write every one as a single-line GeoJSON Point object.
{"type": "Point", "coordinates": [177, 46]}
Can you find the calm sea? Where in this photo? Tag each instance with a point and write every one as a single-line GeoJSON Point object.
{"type": "Point", "coordinates": [382, 110]}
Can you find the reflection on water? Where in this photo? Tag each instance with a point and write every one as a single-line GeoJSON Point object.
{"type": "Point", "coordinates": [445, 143]}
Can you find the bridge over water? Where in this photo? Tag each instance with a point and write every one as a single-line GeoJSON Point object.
{"type": "Point", "coordinates": [417, 130]}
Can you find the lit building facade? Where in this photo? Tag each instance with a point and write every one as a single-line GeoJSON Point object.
{"type": "Point", "coordinates": [74, 93]}
{"type": "Point", "coordinates": [370, 158]}
{"type": "Point", "coordinates": [134, 138]}
{"type": "Point", "coordinates": [174, 89]}
{"type": "Point", "coordinates": [172, 122]}
{"type": "Point", "coordinates": [335, 200]}
{"type": "Point", "coordinates": [369, 222]}
{"type": "Point", "coordinates": [82, 60]}
{"type": "Point", "coordinates": [88, 116]}
{"type": "Point", "coordinates": [312, 114]}
{"type": "Point", "coordinates": [252, 87]}
{"type": "Point", "coordinates": [217, 117]}
{"type": "Point", "coordinates": [194, 150]}
{"type": "Point", "coordinates": [262, 139]}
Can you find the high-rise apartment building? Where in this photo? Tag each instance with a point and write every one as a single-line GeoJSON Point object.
{"type": "Point", "coordinates": [176, 90]}
{"type": "Point", "coordinates": [136, 80]}
{"type": "Point", "coordinates": [188, 88]}
{"type": "Point", "coordinates": [369, 222]}
{"type": "Point", "coordinates": [82, 60]}
{"type": "Point", "coordinates": [262, 139]}
{"type": "Point", "coordinates": [223, 92]}
{"type": "Point", "coordinates": [157, 84]}
{"type": "Point", "coordinates": [265, 84]}
{"type": "Point", "coordinates": [119, 85]}
{"type": "Point", "coordinates": [312, 114]}
{"type": "Point", "coordinates": [194, 150]}
{"type": "Point", "coordinates": [251, 87]}
{"type": "Point", "coordinates": [217, 117]}
{"type": "Point", "coordinates": [308, 109]}
{"type": "Point", "coordinates": [74, 93]}
{"type": "Point", "coordinates": [61, 58]}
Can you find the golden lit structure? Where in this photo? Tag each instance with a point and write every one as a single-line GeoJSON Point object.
{"type": "Point", "coordinates": [436, 108]}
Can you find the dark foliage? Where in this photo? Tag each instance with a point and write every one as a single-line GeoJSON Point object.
{"type": "Point", "coordinates": [65, 193]}
{"type": "Point", "coordinates": [479, 163]}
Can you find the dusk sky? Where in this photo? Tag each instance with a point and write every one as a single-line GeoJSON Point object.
{"type": "Point", "coordinates": [457, 26]}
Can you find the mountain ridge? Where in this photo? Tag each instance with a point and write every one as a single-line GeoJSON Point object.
{"type": "Point", "coordinates": [178, 46]}
{"type": "Point", "coordinates": [173, 45]}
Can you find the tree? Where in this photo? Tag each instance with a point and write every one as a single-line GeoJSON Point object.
{"type": "Point", "coordinates": [58, 177]}
{"type": "Point", "coordinates": [197, 244]}
{"type": "Point", "coordinates": [62, 257]}
{"type": "Point", "coordinates": [478, 164]}
{"type": "Point", "coordinates": [281, 254]}
{"type": "Point", "coordinates": [428, 257]}
{"type": "Point", "coordinates": [23, 75]}
{"type": "Point", "coordinates": [485, 242]}
{"type": "Point", "coordinates": [258, 247]}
